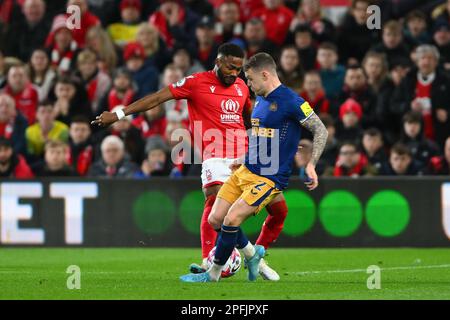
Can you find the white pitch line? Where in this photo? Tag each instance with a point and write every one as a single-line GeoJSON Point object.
{"type": "Point", "coordinates": [365, 270]}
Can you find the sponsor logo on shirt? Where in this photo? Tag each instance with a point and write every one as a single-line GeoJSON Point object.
{"type": "Point", "coordinates": [230, 110]}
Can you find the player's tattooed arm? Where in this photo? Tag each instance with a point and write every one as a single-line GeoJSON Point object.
{"type": "Point", "coordinates": [320, 133]}
{"type": "Point", "coordinates": [148, 102]}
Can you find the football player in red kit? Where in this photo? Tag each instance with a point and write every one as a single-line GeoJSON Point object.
{"type": "Point", "coordinates": [218, 102]}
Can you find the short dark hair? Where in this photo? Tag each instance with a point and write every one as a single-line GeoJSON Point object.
{"type": "Point", "coordinates": [373, 132]}
{"type": "Point", "coordinates": [260, 61]}
{"type": "Point", "coordinates": [350, 143]}
{"type": "Point", "coordinates": [303, 28]}
{"type": "Point", "coordinates": [230, 49]}
{"type": "Point", "coordinates": [412, 117]}
{"type": "Point", "coordinates": [80, 119]}
{"type": "Point", "coordinates": [46, 103]}
{"type": "Point", "coordinates": [327, 120]}
{"type": "Point", "coordinates": [401, 149]}
{"type": "Point", "coordinates": [328, 46]}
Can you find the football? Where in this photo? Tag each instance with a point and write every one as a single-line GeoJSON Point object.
{"type": "Point", "coordinates": [231, 266]}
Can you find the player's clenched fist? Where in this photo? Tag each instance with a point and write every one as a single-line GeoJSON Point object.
{"type": "Point", "coordinates": [105, 119]}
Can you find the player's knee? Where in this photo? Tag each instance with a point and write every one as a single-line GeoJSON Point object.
{"type": "Point", "coordinates": [214, 222]}
{"type": "Point", "coordinates": [231, 220]}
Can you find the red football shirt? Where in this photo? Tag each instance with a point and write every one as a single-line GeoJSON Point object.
{"type": "Point", "coordinates": [276, 22]}
{"type": "Point", "coordinates": [215, 114]}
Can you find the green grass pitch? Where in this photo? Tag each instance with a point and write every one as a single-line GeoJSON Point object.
{"type": "Point", "coordinates": [40, 273]}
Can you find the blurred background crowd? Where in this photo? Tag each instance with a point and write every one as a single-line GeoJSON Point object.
{"type": "Point", "coordinates": [383, 94]}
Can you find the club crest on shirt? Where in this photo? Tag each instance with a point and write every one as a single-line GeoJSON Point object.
{"type": "Point", "coordinates": [273, 106]}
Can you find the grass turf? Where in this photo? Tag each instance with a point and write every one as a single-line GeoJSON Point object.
{"type": "Point", "coordinates": [40, 273]}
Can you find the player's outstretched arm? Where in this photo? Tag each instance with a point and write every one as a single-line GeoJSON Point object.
{"type": "Point", "coordinates": [320, 134]}
{"type": "Point", "coordinates": [148, 102]}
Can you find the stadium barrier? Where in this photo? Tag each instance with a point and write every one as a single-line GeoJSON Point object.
{"type": "Point", "coordinates": [364, 212]}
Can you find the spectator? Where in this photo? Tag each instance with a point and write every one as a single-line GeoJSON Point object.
{"type": "Point", "coordinates": [121, 93]}
{"type": "Point", "coordinates": [95, 81]}
{"type": "Point", "coordinates": [12, 165]}
{"type": "Point", "coordinates": [62, 46]}
{"type": "Point", "coordinates": [416, 29]}
{"type": "Point", "coordinates": [354, 38]}
{"type": "Point", "coordinates": [351, 162]}
{"type": "Point", "coordinates": [314, 93]}
{"type": "Point", "coordinates": [392, 120]}
{"type": "Point", "coordinates": [290, 70]}
{"type": "Point", "coordinates": [331, 73]}
{"type": "Point", "coordinates": [70, 99]}
{"type": "Point", "coordinates": [304, 43]}
{"type": "Point", "coordinates": [46, 128]}
{"type": "Point", "coordinates": [87, 20]}
{"type": "Point", "coordinates": [228, 25]}
{"type": "Point", "coordinates": [310, 13]}
{"type": "Point", "coordinates": [426, 89]}
{"type": "Point", "coordinates": [175, 22]}
{"type": "Point", "coordinates": [183, 60]}
{"type": "Point", "coordinates": [392, 44]}
{"type": "Point", "coordinates": [422, 149]}
{"type": "Point", "coordinates": [331, 150]}
{"type": "Point", "coordinates": [376, 68]}
{"type": "Point", "coordinates": [373, 147]}
{"type": "Point", "coordinates": [441, 39]}
{"type": "Point", "coordinates": [41, 75]}
{"type": "Point", "coordinates": [201, 7]}
{"type": "Point", "coordinates": [157, 162]}
{"type": "Point", "coordinates": [302, 157]}
{"type": "Point", "coordinates": [155, 49]}
{"type": "Point", "coordinates": [12, 124]}
{"type": "Point", "coordinates": [175, 110]}
{"type": "Point", "coordinates": [400, 162]}
{"type": "Point", "coordinates": [99, 41]}
{"type": "Point", "coordinates": [151, 122]}
{"type": "Point", "coordinates": [113, 162]}
{"type": "Point", "coordinates": [357, 88]}
{"type": "Point", "coordinates": [206, 46]}
{"type": "Point", "coordinates": [55, 161]}
{"type": "Point", "coordinates": [81, 152]}
{"type": "Point", "coordinates": [255, 39]}
{"type": "Point", "coordinates": [349, 126]}
{"type": "Point", "coordinates": [145, 76]}
{"type": "Point", "coordinates": [277, 19]}
{"type": "Point", "coordinates": [125, 31]}
{"type": "Point", "coordinates": [130, 135]}
{"type": "Point", "coordinates": [440, 165]}
{"type": "Point", "coordinates": [22, 91]}
{"type": "Point", "coordinates": [29, 32]}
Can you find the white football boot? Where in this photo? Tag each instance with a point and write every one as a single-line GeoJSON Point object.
{"type": "Point", "coordinates": [266, 272]}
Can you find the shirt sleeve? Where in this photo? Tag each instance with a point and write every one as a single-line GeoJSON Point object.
{"type": "Point", "coordinates": [183, 89]}
{"type": "Point", "coordinates": [300, 109]}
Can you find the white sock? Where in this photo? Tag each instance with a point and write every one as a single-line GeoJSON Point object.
{"type": "Point", "coordinates": [215, 272]}
{"type": "Point", "coordinates": [205, 263]}
{"type": "Point", "coordinates": [248, 250]}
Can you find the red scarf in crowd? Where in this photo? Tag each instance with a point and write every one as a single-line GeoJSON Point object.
{"type": "Point", "coordinates": [6, 129]}
{"type": "Point", "coordinates": [340, 171]}
{"type": "Point", "coordinates": [5, 11]}
{"type": "Point", "coordinates": [423, 92]}
{"type": "Point", "coordinates": [159, 21]}
{"type": "Point", "coordinates": [91, 89]}
{"type": "Point", "coordinates": [114, 100]}
{"type": "Point", "coordinates": [84, 160]}
{"type": "Point", "coordinates": [320, 103]}
{"type": "Point", "coordinates": [62, 60]}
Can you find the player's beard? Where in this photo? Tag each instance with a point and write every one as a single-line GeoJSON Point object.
{"type": "Point", "coordinates": [226, 80]}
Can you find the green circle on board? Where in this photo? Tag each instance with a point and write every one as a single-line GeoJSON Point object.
{"type": "Point", "coordinates": [387, 213]}
{"type": "Point", "coordinates": [254, 224]}
{"type": "Point", "coordinates": [191, 211]}
{"type": "Point", "coordinates": [153, 212]}
{"type": "Point", "coordinates": [340, 213]}
{"type": "Point", "coordinates": [302, 213]}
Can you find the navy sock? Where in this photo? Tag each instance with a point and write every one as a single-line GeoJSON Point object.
{"type": "Point", "coordinates": [242, 239]}
{"type": "Point", "coordinates": [225, 244]}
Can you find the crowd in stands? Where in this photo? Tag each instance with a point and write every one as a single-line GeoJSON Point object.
{"type": "Point", "coordinates": [383, 94]}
